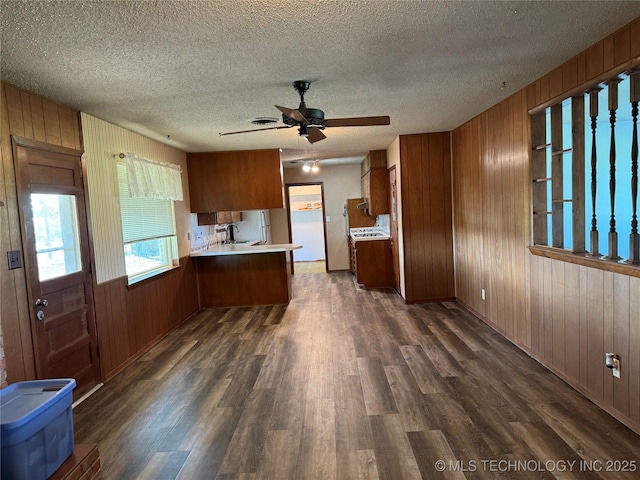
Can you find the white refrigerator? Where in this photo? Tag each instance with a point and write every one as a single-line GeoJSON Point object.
{"type": "Point", "coordinates": [255, 225]}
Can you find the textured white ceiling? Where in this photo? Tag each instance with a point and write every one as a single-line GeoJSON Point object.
{"type": "Point", "coordinates": [191, 69]}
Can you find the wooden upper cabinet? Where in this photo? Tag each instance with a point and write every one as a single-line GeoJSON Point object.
{"type": "Point", "coordinates": [243, 180]}
{"type": "Point", "coordinates": [375, 182]}
{"type": "Point", "coordinates": [218, 218]}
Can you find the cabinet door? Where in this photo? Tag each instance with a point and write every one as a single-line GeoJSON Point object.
{"type": "Point", "coordinates": [227, 181]}
{"type": "Point", "coordinates": [378, 191]}
{"type": "Point", "coordinates": [365, 185]}
{"type": "Point", "coordinates": [377, 159]}
{"type": "Point", "coordinates": [207, 218]}
{"type": "Point", "coordinates": [223, 217]}
{"type": "Point", "coordinates": [373, 263]}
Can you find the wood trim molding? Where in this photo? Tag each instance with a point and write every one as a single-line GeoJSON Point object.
{"type": "Point", "coordinates": [585, 260]}
{"type": "Point", "coordinates": [47, 147]}
{"type": "Point", "coordinates": [584, 87]}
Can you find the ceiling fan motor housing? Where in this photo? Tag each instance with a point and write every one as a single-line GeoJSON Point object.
{"type": "Point", "coordinates": [314, 116]}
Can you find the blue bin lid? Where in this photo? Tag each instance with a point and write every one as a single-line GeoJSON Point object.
{"type": "Point", "coordinates": [22, 401]}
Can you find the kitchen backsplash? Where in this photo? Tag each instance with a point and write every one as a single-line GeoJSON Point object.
{"type": "Point", "coordinates": [205, 236]}
{"type": "Point", "coordinates": [384, 222]}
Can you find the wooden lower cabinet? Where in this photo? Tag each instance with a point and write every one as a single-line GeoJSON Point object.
{"type": "Point", "coordinates": [240, 280]}
{"type": "Point", "coordinates": [372, 263]}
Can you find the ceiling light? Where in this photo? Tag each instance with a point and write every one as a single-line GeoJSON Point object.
{"type": "Point", "coordinates": [306, 168]}
{"type": "Point", "coordinates": [315, 168]}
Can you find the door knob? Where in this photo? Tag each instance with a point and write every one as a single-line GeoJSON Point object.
{"type": "Point", "coordinates": [40, 315]}
{"type": "Point", "coordinates": [42, 303]}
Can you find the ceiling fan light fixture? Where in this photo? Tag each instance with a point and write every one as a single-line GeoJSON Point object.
{"type": "Point", "coordinates": [310, 121]}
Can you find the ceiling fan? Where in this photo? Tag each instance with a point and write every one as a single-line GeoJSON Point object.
{"type": "Point", "coordinates": [311, 121]}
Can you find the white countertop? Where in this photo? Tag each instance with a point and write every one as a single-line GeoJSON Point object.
{"type": "Point", "coordinates": [243, 249]}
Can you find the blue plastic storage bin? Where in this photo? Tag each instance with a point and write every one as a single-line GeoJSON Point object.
{"type": "Point", "coordinates": [37, 428]}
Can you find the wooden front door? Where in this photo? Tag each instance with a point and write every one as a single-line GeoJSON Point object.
{"type": "Point", "coordinates": [393, 203]}
{"type": "Point", "coordinates": [57, 262]}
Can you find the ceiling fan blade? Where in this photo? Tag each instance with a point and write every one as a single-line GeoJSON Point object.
{"type": "Point", "coordinates": [315, 135]}
{"type": "Point", "coordinates": [293, 114]}
{"type": "Point", "coordinates": [255, 130]}
{"type": "Point", "coordinates": [356, 121]}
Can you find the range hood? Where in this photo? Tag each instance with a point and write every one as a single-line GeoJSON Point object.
{"type": "Point", "coordinates": [363, 206]}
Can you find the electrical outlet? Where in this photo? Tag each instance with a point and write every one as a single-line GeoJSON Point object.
{"type": "Point", "coordinates": [612, 362]}
{"type": "Point", "coordinates": [483, 293]}
{"type": "Point", "coordinates": [15, 259]}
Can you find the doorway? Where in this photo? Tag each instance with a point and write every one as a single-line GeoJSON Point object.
{"type": "Point", "coordinates": [55, 236]}
{"type": "Point", "coordinates": [305, 207]}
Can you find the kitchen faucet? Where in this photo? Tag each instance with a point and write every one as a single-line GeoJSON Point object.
{"type": "Point", "coordinates": [230, 237]}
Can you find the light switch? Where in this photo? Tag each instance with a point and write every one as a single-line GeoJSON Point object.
{"type": "Point", "coordinates": [328, 218]}
{"type": "Point", "coordinates": [15, 259]}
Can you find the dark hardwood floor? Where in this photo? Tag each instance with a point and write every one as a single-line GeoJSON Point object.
{"type": "Point", "coordinates": [345, 383]}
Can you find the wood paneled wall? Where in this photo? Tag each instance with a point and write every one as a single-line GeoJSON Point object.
{"type": "Point", "coordinates": [30, 116]}
{"type": "Point", "coordinates": [129, 320]}
{"type": "Point", "coordinates": [491, 216]}
{"type": "Point", "coordinates": [565, 315]}
{"type": "Point", "coordinates": [579, 313]}
{"type": "Point", "coordinates": [132, 319]}
{"type": "Point", "coordinates": [425, 165]}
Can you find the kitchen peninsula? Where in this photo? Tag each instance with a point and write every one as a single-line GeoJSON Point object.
{"type": "Point", "coordinates": [239, 275]}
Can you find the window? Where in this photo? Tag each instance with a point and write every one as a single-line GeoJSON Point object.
{"type": "Point", "coordinates": [149, 232]}
{"type": "Point", "coordinates": [585, 172]}
{"type": "Point", "coordinates": [55, 225]}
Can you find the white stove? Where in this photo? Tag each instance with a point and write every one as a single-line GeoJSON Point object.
{"type": "Point", "coordinates": [368, 233]}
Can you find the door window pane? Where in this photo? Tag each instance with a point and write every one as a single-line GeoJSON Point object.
{"type": "Point", "coordinates": [55, 225]}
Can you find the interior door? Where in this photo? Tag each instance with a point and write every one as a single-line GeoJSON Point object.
{"type": "Point", "coordinates": [393, 199]}
{"type": "Point", "coordinates": [57, 261]}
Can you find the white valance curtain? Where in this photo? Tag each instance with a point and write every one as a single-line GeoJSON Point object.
{"type": "Point", "coordinates": [151, 179]}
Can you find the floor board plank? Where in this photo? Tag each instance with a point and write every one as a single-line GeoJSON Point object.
{"type": "Point", "coordinates": [342, 383]}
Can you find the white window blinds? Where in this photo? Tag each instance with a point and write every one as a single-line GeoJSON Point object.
{"type": "Point", "coordinates": [143, 218]}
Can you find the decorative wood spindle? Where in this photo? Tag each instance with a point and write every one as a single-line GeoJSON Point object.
{"type": "Point", "coordinates": [540, 178]}
{"type": "Point", "coordinates": [634, 238]}
{"type": "Point", "coordinates": [578, 174]}
{"type": "Point", "coordinates": [557, 182]}
{"type": "Point", "coordinates": [612, 87]}
{"type": "Point", "coordinates": [593, 113]}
